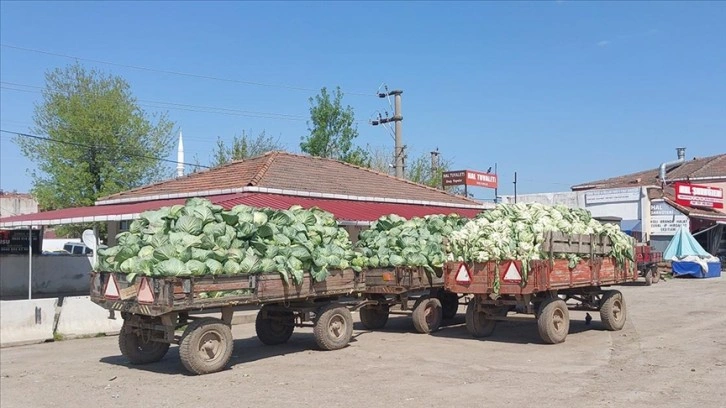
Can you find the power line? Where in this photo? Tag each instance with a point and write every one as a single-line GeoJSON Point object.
{"type": "Point", "coordinates": [97, 147]}
{"type": "Point", "coordinates": [178, 106]}
{"type": "Point", "coordinates": [186, 74]}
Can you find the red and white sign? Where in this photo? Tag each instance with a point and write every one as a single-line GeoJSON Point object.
{"type": "Point", "coordinates": [696, 195]}
{"type": "Point", "coordinates": [511, 274]}
{"type": "Point", "coordinates": [469, 178]}
{"type": "Point", "coordinates": [111, 291]}
{"type": "Point", "coordinates": [145, 295]}
{"type": "Point", "coordinates": [463, 276]}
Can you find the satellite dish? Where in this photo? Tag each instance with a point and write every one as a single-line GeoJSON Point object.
{"type": "Point", "coordinates": [89, 238]}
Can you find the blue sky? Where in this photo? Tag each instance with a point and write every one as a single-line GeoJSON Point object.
{"type": "Point", "coordinates": [561, 92]}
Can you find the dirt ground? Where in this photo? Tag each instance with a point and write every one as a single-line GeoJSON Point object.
{"type": "Point", "coordinates": [671, 353]}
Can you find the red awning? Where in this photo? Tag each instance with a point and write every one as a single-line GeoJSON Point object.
{"type": "Point", "coordinates": [96, 213]}
{"type": "Point", "coordinates": [346, 211]}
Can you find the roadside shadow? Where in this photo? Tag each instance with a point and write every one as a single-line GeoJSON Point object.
{"type": "Point", "coordinates": [404, 324]}
{"type": "Point", "coordinates": [521, 330]}
{"type": "Point", "coordinates": [245, 350]}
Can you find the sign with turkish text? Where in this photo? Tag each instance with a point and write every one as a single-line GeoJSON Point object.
{"type": "Point", "coordinates": [696, 195]}
{"type": "Point", "coordinates": [15, 242]}
{"type": "Point", "coordinates": [666, 220]}
{"type": "Point", "coordinates": [618, 195]}
{"type": "Point", "coordinates": [469, 178]}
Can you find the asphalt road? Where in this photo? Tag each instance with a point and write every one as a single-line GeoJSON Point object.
{"type": "Point", "coordinates": [671, 353]}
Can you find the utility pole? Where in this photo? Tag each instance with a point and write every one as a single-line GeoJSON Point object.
{"type": "Point", "coordinates": [435, 167]}
{"type": "Point", "coordinates": [397, 118]}
{"type": "Point", "coordinates": [515, 187]}
{"type": "Point", "coordinates": [496, 195]}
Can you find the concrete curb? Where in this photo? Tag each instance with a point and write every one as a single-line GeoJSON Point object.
{"type": "Point", "coordinates": [79, 317]}
{"type": "Point", "coordinates": [72, 318]}
{"type": "Point", "coordinates": [26, 321]}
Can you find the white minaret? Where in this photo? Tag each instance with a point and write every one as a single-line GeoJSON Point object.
{"type": "Point", "coordinates": [180, 157]}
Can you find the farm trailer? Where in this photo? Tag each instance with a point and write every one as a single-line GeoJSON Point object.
{"type": "Point", "coordinates": [547, 287]}
{"type": "Point", "coordinates": [155, 309]}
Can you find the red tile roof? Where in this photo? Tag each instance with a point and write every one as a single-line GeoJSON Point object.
{"type": "Point", "coordinates": [344, 210]}
{"type": "Point", "coordinates": [286, 171]}
{"type": "Point", "coordinates": [708, 167]}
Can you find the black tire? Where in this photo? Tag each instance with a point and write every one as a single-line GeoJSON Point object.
{"type": "Point", "coordinates": [656, 274]}
{"type": "Point", "coordinates": [206, 346]}
{"type": "Point", "coordinates": [374, 317]}
{"type": "Point", "coordinates": [553, 321]}
{"type": "Point", "coordinates": [333, 327]}
{"type": "Point", "coordinates": [449, 304]}
{"type": "Point", "coordinates": [613, 311]}
{"type": "Point", "coordinates": [648, 277]}
{"type": "Point", "coordinates": [274, 327]}
{"type": "Point", "coordinates": [138, 350]}
{"type": "Point", "coordinates": [478, 323]}
{"type": "Point", "coordinates": [427, 314]}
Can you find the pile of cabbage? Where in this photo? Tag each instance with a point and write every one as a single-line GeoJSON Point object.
{"type": "Point", "coordinates": [200, 238]}
{"type": "Point", "coordinates": [394, 241]}
{"type": "Point", "coordinates": [517, 232]}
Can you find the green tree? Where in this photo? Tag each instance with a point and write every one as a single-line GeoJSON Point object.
{"type": "Point", "coordinates": [243, 147]}
{"type": "Point", "coordinates": [100, 141]}
{"type": "Point", "coordinates": [332, 130]}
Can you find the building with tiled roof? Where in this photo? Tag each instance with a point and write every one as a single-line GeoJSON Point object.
{"type": "Point", "coordinates": [708, 169]}
{"type": "Point", "coordinates": [292, 173]}
{"type": "Point", "coordinates": [356, 196]}
{"type": "Point", "coordinates": [647, 205]}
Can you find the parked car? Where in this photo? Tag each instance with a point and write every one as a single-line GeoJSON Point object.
{"type": "Point", "coordinates": [77, 248]}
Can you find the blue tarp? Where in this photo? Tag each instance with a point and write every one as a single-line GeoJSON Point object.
{"type": "Point", "coordinates": [695, 270]}
{"type": "Point", "coordinates": [684, 244]}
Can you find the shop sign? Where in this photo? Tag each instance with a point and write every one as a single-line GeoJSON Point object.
{"type": "Point", "coordinates": [696, 195]}
{"type": "Point", "coordinates": [469, 178]}
{"type": "Point", "coordinates": [15, 242]}
{"type": "Point", "coordinates": [666, 220]}
{"type": "Point", "coordinates": [619, 195]}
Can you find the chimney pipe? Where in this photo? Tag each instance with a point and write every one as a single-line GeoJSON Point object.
{"type": "Point", "coordinates": [681, 152]}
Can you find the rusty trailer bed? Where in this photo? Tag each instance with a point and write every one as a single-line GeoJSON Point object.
{"type": "Point", "coordinates": [400, 280]}
{"type": "Point", "coordinates": [177, 294]}
{"type": "Point", "coordinates": [547, 290]}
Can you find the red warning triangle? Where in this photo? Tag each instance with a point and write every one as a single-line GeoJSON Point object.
{"type": "Point", "coordinates": [512, 274]}
{"type": "Point", "coordinates": [111, 291]}
{"type": "Point", "coordinates": [463, 276]}
{"type": "Point", "coordinates": [145, 294]}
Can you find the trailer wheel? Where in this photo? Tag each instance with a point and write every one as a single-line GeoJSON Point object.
{"type": "Point", "coordinates": [612, 310]}
{"type": "Point", "coordinates": [553, 320]}
{"type": "Point", "coordinates": [478, 323]}
{"type": "Point", "coordinates": [427, 314]}
{"type": "Point", "coordinates": [449, 304]}
{"type": "Point", "coordinates": [648, 277]}
{"type": "Point", "coordinates": [206, 346]}
{"type": "Point", "coordinates": [137, 349]}
{"type": "Point", "coordinates": [274, 327]}
{"type": "Point", "coordinates": [656, 274]}
{"type": "Point", "coordinates": [375, 316]}
{"type": "Point", "coordinates": [333, 327]}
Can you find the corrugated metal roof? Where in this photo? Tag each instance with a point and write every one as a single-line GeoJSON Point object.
{"type": "Point", "coordinates": [344, 210]}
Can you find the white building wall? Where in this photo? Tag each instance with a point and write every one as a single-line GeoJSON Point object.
{"type": "Point", "coordinates": [627, 204]}
{"type": "Point", "coordinates": [16, 204]}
